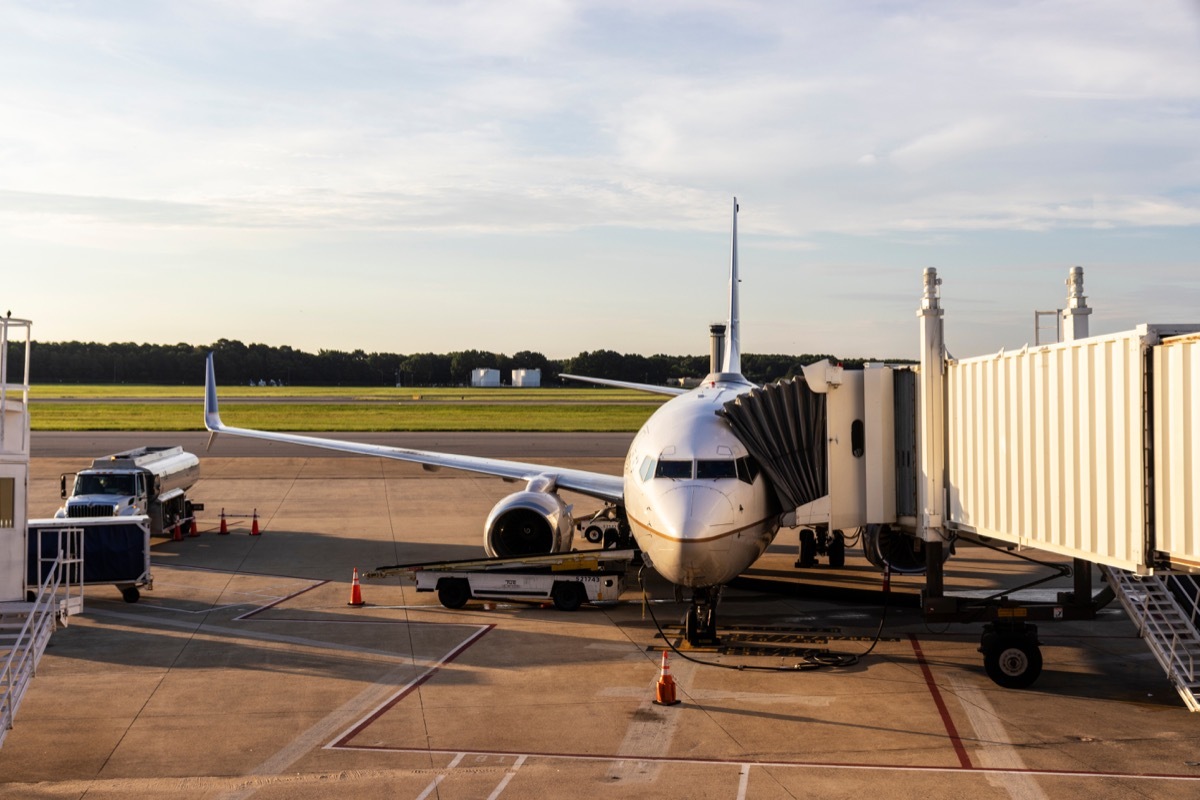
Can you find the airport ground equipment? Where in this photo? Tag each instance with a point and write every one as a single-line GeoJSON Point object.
{"type": "Point", "coordinates": [115, 551]}
{"type": "Point", "coordinates": [151, 481]}
{"type": "Point", "coordinates": [26, 627]}
{"type": "Point", "coordinates": [607, 527]}
{"type": "Point", "coordinates": [567, 579]}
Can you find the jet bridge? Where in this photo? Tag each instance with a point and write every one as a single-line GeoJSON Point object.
{"type": "Point", "coordinates": [1087, 448]}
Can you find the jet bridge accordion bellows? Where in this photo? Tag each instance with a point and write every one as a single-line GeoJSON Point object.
{"type": "Point", "coordinates": [783, 425]}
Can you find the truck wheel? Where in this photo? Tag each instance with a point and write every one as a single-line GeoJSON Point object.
{"type": "Point", "coordinates": [131, 594]}
{"type": "Point", "coordinates": [568, 596]}
{"type": "Point", "coordinates": [453, 592]}
{"type": "Point", "coordinates": [594, 534]}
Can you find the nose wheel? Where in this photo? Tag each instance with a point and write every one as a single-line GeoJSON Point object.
{"type": "Point", "coordinates": [700, 624]}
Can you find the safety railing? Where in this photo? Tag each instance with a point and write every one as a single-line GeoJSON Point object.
{"type": "Point", "coordinates": [60, 594]}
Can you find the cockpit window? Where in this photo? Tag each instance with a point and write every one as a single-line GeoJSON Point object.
{"type": "Point", "coordinates": [647, 469]}
{"type": "Point", "coordinates": [673, 469]}
{"type": "Point", "coordinates": [747, 469]}
{"type": "Point", "coordinates": [716, 468]}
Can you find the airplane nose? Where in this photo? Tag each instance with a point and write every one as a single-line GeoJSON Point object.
{"type": "Point", "coordinates": [694, 512]}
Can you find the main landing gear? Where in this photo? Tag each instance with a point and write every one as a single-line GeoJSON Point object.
{"type": "Point", "coordinates": [700, 624]}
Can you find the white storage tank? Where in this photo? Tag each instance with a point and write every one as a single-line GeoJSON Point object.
{"type": "Point", "coordinates": [485, 377]}
{"type": "Point", "coordinates": [527, 378]}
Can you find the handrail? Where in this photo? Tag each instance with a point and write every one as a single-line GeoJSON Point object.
{"type": "Point", "coordinates": [41, 621]}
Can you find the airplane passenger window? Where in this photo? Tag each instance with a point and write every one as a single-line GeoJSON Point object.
{"type": "Point", "coordinates": [713, 468]}
{"type": "Point", "coordinates": [673, 469]}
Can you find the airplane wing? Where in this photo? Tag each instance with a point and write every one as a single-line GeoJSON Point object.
{"type": "Point", "coordinates": [593, 484]}
{"type": "Point", "coordinates": [641, 387]}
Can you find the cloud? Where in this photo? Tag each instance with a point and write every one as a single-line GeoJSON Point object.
{"type": "Point", "coordinates": [862, 134]}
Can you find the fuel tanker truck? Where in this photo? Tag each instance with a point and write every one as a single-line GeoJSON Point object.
{"type": "Point", "coordinates": [147, 480]}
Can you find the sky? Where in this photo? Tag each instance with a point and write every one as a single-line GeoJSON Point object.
{"type": "Point", "coordinates": [559, 176]}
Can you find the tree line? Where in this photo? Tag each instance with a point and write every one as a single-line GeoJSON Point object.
{"type": "Point", "coordinates": [238, 363]}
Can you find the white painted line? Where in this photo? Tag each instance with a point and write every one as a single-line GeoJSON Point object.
{"type": "Point", "coordinates": [508, 776]}
{"type": "Point", "coordinates": [264, 636]}
{"type": "Point", "coordinates": [996, 749]}
{"type": "Point", "coordinates": [743, 781]}
{"type": "Point", "coordinates": [441, 777]}
{"type": "Point", "coordinates": [815, 765]}
{"type": "Point", "coordinates": [651, 731]}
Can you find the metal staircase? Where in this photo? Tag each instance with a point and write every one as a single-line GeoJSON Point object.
{"type": "Point", "coordinates": [25, 628]}
{"type": "Point", "coordinates": [1165, 609]}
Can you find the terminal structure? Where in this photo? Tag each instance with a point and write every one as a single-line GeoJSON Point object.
{"type": "Point", "coordinates": [30, 610]}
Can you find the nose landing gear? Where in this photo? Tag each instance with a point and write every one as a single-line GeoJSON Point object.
{"type": "Point", "coordinates": [700, 624]}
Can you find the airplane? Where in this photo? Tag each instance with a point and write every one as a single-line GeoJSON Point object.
{"type": "Point", "coordinates": [693, 498]}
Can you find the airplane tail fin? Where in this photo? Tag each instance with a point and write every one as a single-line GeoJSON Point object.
{"type": "Point", "coordinates": [212, 415]}
{"type": "Point", "coordinates": [732, 361]}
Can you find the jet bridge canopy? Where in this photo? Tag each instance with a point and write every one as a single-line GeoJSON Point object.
{"type": "Point", "coordinates": [783, 426]}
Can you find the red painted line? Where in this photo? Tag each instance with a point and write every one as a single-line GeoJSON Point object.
{"type": "Point", "coordinates": [261, 609]}
{"type": "Point", "coordinates": [963, 759]}
{"type": "Point", "coordinates": [358, 728]}
{"type": "Point", "coordinates": [835, 765]}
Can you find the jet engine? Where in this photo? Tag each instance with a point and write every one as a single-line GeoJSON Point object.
{"type": "Point", "coordinates": [882, 545]}
{"type": "Point", "coordinates": [528, 523]}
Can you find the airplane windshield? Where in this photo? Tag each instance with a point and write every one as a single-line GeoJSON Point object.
{"type": "Point", "coordinates": [673, 469]}
{"type": "Point", "coordinates": [712, 468]}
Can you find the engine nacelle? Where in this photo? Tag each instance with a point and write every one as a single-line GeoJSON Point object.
{"type": "Point", "coordinates": [883, 545]}
{"type": "Point", "coordinates": [528, 524]}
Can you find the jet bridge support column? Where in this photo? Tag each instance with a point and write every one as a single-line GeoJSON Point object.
{"type": "Point", "coordinates": [1075, 315]}
{"type": "Point", "coordinates": [14, 457]}
{"type": "Point", "coordinates": [931, 433]}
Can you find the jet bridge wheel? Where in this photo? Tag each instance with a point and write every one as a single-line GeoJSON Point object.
{"type": "Point", "coordinates": [835, 550]}
{"type": "Point", "coordinates": [808, 549]}
{"type": "Point", "coordinates": [453, 592]}
{"type": "Point", "coordinates": [1012, 655]}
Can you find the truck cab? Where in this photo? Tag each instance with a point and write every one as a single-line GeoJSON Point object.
{"type": "Point", "coordinates": [148, 480]}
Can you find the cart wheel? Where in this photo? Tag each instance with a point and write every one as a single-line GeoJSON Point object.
{"type": "Point", "coordinates": [453, 592]}
{"type": "Point", "coordinates": [1013, 662]}
{"type": "Point", "coordinates": [594, 534]}
{"type": "Point", "coordinates": [836, 550]}
{"type": "Point", "coordinates": [568, 596]}
{"type": "Point", "coordinates": [131, 594]}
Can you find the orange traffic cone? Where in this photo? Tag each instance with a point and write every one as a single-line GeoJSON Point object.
{"type": "Point", "coordinates": [664, 692]}
{"type": "Point", "coordinates": [224, 525]}
{"type": "Point", "coordinates": [176, 532]}
{"type": "Point", "coordinates": [355, 591]}
{"type": "Point", "coordinates": [254, 526]}
{"type": "Point", "coordinates": [193, 529]}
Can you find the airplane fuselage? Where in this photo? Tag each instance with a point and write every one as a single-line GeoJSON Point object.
{"type": "Point", "coordinates": [696, 502]}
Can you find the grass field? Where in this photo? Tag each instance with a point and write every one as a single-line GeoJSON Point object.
{"type": "Point", "coordinates": [588, 394]}
{"type": "Point", "coordinates": [167, 408]}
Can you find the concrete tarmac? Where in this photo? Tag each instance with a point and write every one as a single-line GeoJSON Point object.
{"type": "Point", "coordinates": [244, 673]}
